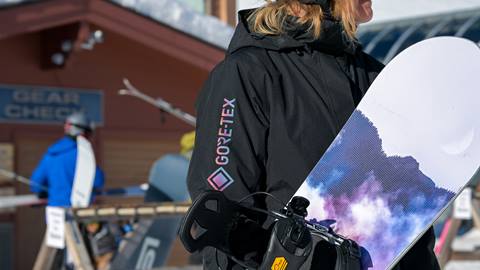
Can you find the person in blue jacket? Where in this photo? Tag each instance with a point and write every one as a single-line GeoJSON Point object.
{"type": "Point", "coordinates": [56, 170]}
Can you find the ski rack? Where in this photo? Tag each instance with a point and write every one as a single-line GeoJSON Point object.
{"type": "Point", "coordinates": [109, 213]}
{"type": "Point", "coordinates": [74, 239]}
{"type": "Point", "coordinates": [160, 103]}
{"type": "Point", "coordinates": [76, 248]}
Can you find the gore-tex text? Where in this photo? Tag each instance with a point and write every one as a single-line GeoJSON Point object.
{"type": "Point", "coordinates": [225, 132]}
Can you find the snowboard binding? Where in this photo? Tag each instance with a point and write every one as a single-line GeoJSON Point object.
{"type": "Point", "coordinates": [289, 243]}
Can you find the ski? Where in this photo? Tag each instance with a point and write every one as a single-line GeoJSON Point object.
{"type": "Point", "coordinates": [160, 103]}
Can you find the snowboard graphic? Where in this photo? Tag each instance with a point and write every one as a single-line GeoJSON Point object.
{"type": "Point", "coordinates": [409, 148]}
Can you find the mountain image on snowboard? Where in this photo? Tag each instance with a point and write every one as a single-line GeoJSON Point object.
{"type": "Point", "coordinates": [409, 148]}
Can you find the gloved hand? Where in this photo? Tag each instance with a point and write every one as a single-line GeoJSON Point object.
{"type": "Point", "coordinates": [42, 195]}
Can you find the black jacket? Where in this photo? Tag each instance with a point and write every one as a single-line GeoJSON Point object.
{"type": "Point", "coordinates": [268, 112]}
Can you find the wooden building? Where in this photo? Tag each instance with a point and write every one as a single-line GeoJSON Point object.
{"type": "Point", "coordinates": [51, 49]}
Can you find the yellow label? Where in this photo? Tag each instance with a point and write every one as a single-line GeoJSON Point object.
{"type": "Point", "coordinates": [280, 263]}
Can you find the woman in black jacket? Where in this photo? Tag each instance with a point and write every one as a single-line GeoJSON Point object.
{"type": "Point", "coordinates": [292, 76]}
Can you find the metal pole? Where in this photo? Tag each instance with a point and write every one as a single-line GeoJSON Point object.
{"type": "Point", "coordinates": [21, 179]}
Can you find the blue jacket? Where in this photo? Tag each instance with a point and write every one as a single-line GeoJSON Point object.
{"type": "Point", "coordinates": [56, 172]}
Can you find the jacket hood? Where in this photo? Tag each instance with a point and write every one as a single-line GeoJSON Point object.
{"type": "Point", "coordinates": [332, 38]}
{"type": "Point", "coordinates": [63, 145]}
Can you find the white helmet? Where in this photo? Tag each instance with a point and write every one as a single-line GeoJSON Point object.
{"type": "Point", "coordinates": [78, 124]}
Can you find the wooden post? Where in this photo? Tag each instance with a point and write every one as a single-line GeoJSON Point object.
{"type": "Point", "coordinates": [225, 10]}
{"type": "Point", "coordinates": [476, 213]}
{"type": "Point", "coordinates": [45, 257]}
{"type": "Point", "coordinates": [76, 246]}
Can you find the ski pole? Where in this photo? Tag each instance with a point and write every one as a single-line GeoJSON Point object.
{"type": "Point", "coordinates": [21, 179]}
{"type": "Point", "coordinates": [159, 103]}
{"type": "Point", "coordinates": [129, 191]}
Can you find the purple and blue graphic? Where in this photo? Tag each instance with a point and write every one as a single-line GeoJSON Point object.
{"type": "Point", "coordinates": [383, 201]}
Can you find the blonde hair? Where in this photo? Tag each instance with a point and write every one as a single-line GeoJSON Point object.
{"type": "Point", "coordinates": [270, 18]}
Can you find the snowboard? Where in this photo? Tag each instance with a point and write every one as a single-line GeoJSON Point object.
{"type": "Point", "coordinates": [409, 148]}
{"type": "Point", "coordinates": [85, 168]}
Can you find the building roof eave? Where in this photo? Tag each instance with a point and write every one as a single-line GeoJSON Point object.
{"type": "Point", "coordinates": [38, 16]}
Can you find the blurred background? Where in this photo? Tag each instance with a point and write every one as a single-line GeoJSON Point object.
{"type": "Point", "coordinates": [59, 56]}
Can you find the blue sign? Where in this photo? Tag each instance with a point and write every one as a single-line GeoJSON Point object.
{"type": "Point", "coordinates": [48, 105]}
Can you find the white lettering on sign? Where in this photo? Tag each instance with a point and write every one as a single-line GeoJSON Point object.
{"type": "Point", "coordinates": [44, 97]}
{"type": "Point", "coordinates": [16, 111]}
{"type": "Point", "coordinates": [147, 253]}
{"type": "Point", "coordinates": [13, 111]}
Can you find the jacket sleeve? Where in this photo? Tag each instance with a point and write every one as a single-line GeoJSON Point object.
{"type": "Point", "coordinates": [99, 180]}
{"type": "Point", "coordinates": [40, 175]}
{"type": "Point", "coordinates": [231, 133]}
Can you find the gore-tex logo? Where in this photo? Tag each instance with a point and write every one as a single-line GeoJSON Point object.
{"type": "Point", "coordinates": [225, 132]}
{"type": "Point", "coordinates": [220, 179]}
